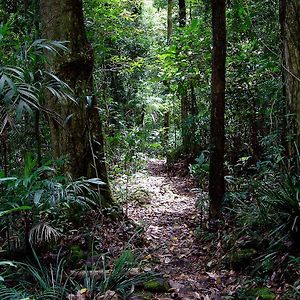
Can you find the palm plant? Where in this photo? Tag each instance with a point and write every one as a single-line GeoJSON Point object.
{"type": "Point", "coordinates": [118, 279]}
{"type": "Point", "coordinates": [282, 200]}
{"type": "Point", "coordinates": [22, 86]}
{"type": "Point", "coordinates": [52, 282]}
{"type": "Point", "coordinates": [39, 190]}
{"type": "Point", "coordinates": [24, 81]}
{"type": "Point", "coordinates": [35, 281]}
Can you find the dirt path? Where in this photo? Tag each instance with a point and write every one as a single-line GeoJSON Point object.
{"type": "Point", "coordinates": [170, 218]}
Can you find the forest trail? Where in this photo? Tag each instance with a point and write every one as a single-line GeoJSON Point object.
{"type": "Point", "coordinates": [168, 213]}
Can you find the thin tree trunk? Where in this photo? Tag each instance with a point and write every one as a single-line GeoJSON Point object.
{"type": "Point", "coordinates": [184, 109]}
{"type": "Point", "coordinates": [4, 142]}
{"type": "Point", "coordinates": [169, 21]}
{"type": "Point", "coordinates": [167, 116]}
{"type": "Point", "coordinates": [187, 136]}
{"type": "Point", "coordinates": [254, 130]}
{"type": "Point", "coordinates": [80, 140]}
{"type": "Point", "coordinates": [26, 4]}
{"type": "Point", "coordinates": [217, 130]}
{"type": "Point", "coordinates": [182, 13]}
{"type": "Point", "coordinates": [38, 137]}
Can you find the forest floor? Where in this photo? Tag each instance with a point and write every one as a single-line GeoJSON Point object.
{"type": "Point", "coordinates": [164, 203]}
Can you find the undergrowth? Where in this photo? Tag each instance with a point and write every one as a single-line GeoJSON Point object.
{"type": "Point", "coordinates": [34, 280]}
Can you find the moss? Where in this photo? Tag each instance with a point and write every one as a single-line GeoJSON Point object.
{"type": "Point", "coordinates": [142, 197]}
{"type": "Point", "coordinates": [261, 294]}
{"type": "Point", "coordinates": [143, 295]}
{"type": "Point", "coordinates": [241, 257]}
{"type": "Point", "coordinates": [76, 254]}
{"type": "Point", "coordinates": [157, 285]}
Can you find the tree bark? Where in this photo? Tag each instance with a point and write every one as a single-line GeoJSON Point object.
{"type": "Point", "coordinates": [290, 31]}
{"type": "Point", "coordinates": [169, 21]}
{"type": "Point", "coordinates": [188, 137]}
{"type": "Point", "coordinates": [217, 130]}
{"type": "Point", "coordinates": [182, 13]}
{"type": "Point", "coordinates": [167, 115]}
{"type": "Point", "coordinates": [80, 139]}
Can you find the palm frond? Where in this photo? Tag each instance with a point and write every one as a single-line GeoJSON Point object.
{"type": "Point", "coordinates": [43, 233]}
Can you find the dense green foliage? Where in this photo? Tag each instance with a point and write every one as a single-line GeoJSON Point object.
{"type": "Point", "coordinates": [140, 81]}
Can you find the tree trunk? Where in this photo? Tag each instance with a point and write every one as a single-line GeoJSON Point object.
{"type": "Point", "coordinates": [290, 23]}
{"type": "Point", "coordinates": [167, 115]}
{"type": "Point", "coordinates": [217, 131]}
{"type": "Point", "coordinates": [182, 13]}
{"type": "Point", "coordinates": [37, 133]}
{"type": "Point", "coordinates": [184, 114]}
{"type": "Point", "coordinates": [187, 136]}
{"type": "Point", "coordinates": [290, 30]}
{"type": "Point", "coordinates": [80, 138]}
{"type": "Point", "coordinates": [169, 20]}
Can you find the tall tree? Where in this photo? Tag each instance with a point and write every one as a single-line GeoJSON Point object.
{"type": "Point", "coordinates": [182, 13]}
{"type": "Point", "coordinates": [290, 29]}
{"type": "Point", "coordinates": [80, 137]}
{"type": "Point", "coordinates": [188, 100]}
{"type": "Point", "coordinates": [169, 20]}
{"type": "Point", "coordinates": [183, 92]}
{"type": "Point", "coordinates": [167, 115]}
{"type": "Point", "coordinates": [217, 130]}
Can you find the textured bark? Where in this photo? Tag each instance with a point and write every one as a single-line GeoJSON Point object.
{"type": "Point", "coordinates": [80, 139]}
{"type": "Point", "coordinates": [216, 172]}
{"type": "Point", "coordinates": [290, 30]}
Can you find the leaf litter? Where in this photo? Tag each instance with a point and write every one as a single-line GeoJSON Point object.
{"type": "Point", "coordinates": [170, 219]}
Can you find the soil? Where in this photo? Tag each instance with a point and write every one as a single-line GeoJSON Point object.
{"type": "Point", "coordinates": [167, 210]}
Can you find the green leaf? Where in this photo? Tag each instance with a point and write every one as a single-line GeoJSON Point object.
{"type": "Point", "coordinates": [37, 196]}
{"type": "Point", "coordinates": [7, 263]}
{"type": "Point", "coordinates": [95, 181]}
{"type": "Point", "coordinates": [8, 179]}
{"type": "Point", "coordinates": [15, 209]}
{"type": "Point", "coordinates": [89, 101]}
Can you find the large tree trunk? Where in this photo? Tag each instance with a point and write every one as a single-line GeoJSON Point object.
{"type": "Point", "coordinates": [216, 171]}
{"type": "Point", "coordinates": [80, 138]}
{"type": "Point", "coordinates": [290, 30]}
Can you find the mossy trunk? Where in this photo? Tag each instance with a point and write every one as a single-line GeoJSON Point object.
{"type": "Point", "coordinates": [79, 136]}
